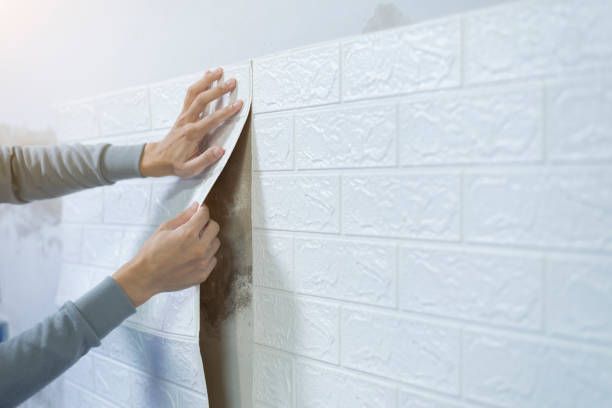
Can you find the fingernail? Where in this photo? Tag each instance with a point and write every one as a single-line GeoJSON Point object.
{"type": "Point", "coordinates": [218, 151]}
{"type": "Point", "coordinates": [230, 83]}
{"type": "Point", "coordinates": [237, 103]}
{"type": "Point", "coordinates": [218, 69]}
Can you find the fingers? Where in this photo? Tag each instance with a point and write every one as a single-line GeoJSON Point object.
{"type": "Point", "coordinates": [199, 163]}
{"type": "Point", "coordinates": [200, 86]}
{"type": "Point", "coordinates": [209, 234]}
{"type": "Point", "coordinates": [198, 221]}
{"type": "Point", "coordinates": [211, 249]}
{"type": "Point", "coordinates": [207, 269]}
{"type": "Point", "coordinates": [217, 117]}
{"type": "Point", "coordinates": [182, 218]}
{"type": "Point", "coordinates": [203, 99]}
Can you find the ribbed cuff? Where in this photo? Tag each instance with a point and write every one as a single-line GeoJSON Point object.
{"type": "Point", "coordinates": [105, 306]}
{"type": "Point", "coordinates": [122, 162]}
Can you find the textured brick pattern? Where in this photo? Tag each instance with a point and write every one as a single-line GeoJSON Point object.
{"type": "Point", "coordinates": [422, 57]}
{"type": "Point", "coordinates": [432, 220]}
{"type": "Point", "coordinates": [438, 234]}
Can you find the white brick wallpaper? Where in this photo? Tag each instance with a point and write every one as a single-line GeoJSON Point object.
{"type": "Point", "coordinates": [432, 221]}
{"type": "Point", "coordinates": [438, 234]}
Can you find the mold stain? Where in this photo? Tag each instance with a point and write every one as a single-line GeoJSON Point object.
{"type": "Point", "coordinates": [225, 297]}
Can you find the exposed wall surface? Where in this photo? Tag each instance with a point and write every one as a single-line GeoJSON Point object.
{"type": "Point", "coordinates": [432, 221]}
{"type": "Point", "coordinates": [433, 214]}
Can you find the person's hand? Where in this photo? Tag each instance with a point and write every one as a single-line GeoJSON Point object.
{"type": "Point", "coordinates": [180, 254]}
{"type": "Point", "coordinates": [181, 152]}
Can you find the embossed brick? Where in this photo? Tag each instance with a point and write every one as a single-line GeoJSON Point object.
{"type": "Point", "coordinates": [346, 270]}
{"type": "Point", "coordinates": [468, 127]}
{"type": "Point", "coordinates": [513, 373]}
{"type": "Point", "coordinates": [353, 137]}
{"type": "Point", "coordinates": [415, 58]}
{"type": "Point", "coordinates": [169, 313]}
{"type": "Point", "coordinates": [413, 352]}
{"type": "Point", "coordinates": [525, 39]}
{"type": "Point", "coordinates": [301, 203]}
{"type": "Point", "coordinates": [273, 142]}
{"type": "Point", "coordinates": [75, 280]}
{"type": "Point", "coordinates": [579, 119]}
{"type": "Point", "coordinates": [127, 111]}
{"type": "Point", "coordinates": [74, 396]}
{"type": "Point", "coordinates": [175, 359]}
{"type": "Point", "coordinates": [71, 242]}
{"type": "Point", "coordinates": [76, 121]}
{"type": "Point", "coordinates": [408, 399]}
{"type": "Point", "coordinates": [168, 199]}
{"type": "Point", "coordinates": [132, 241]}
{"type": "Point", "coordinates": [101, 246]}
{"type": "Point", "coordinates": [272, 260]}
{"type": "Point", "coordinates": [301, 326]}
{"type": "Point", "coordinates": [323, 388]}
{"type": "Point", "coordinates": [296, 78]}
{"type": "Point", "coordinates": [86, 206]}
{"type": "Point", "coordinates": [113, 381]}
{"type": "Point", "coordinates": [273, 383]}
{"type": "Point", "coordinates": [128, 387]}
{"type": "Point", "coordinates": [167, 100]}
{"type": "Point", "coordinates": [401, 206]}
{"type": "Point", "coordinates": [497, 289]}
{"type": "Point", "coordinates": [565, 208]}
{"type": "Point", "coordinates": [126, 203]}
{"type": "Point", "coordinates": [579, 298]}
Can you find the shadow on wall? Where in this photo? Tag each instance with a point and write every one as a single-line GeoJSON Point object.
{"type": "Point", "coordinates": [385, 16]}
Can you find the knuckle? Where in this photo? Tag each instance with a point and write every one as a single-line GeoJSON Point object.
{"type": "Point", "coordinates": [201, 99]}
{"type": "Point", "coordinates": [188, 129]}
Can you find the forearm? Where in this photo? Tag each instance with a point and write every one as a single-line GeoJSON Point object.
{"type": "Point", "coordinates": [33, 173]}
{"type": "Point", "coordinates": [33, 359]}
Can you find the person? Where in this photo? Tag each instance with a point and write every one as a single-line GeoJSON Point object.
{"type": "Point", "coordinates": [179, 254]}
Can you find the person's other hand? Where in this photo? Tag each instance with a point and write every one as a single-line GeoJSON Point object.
{"type": "Point", "coordinates": [180, 254]}
{"type": "Point", "coordinates": [181, 152]}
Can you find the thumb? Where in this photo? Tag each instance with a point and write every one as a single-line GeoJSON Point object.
{"type": "Point", "coordinates": [181, 218]}
{"type": "Point", "coordinates": [198, 220]}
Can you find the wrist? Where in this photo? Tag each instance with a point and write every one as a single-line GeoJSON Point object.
{"type": "Point", "coordinates": [152, 163]}
{"type": "Point", "coordinates": [131, 277]}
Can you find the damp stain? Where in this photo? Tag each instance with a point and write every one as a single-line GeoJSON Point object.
{"type": "Point", "coordinates": [228, 289]}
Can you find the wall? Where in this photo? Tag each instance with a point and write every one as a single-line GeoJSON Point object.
{"type": "Point", "coordinates": [58, 50]}
{"type": "Point", "coordinates": [433, 214]}
{"type": "Point", "coordinates": [30, 242]}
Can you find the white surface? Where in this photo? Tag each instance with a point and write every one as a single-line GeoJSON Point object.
{"type": "Point", "coordinates": [433, 216]}
{"type": "Point", "coordinates": [68, 49]}
{"type": "Point", "coordinates": [466, 267]}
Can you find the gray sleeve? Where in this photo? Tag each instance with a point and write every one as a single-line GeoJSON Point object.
{"type": "Point", "coordinates": [30, 173]}
{"type": "Point", "coordinates": [33, 359]}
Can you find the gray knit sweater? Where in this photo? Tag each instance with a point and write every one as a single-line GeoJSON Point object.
{"type": "Point", "coordinates": [33, 359]}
